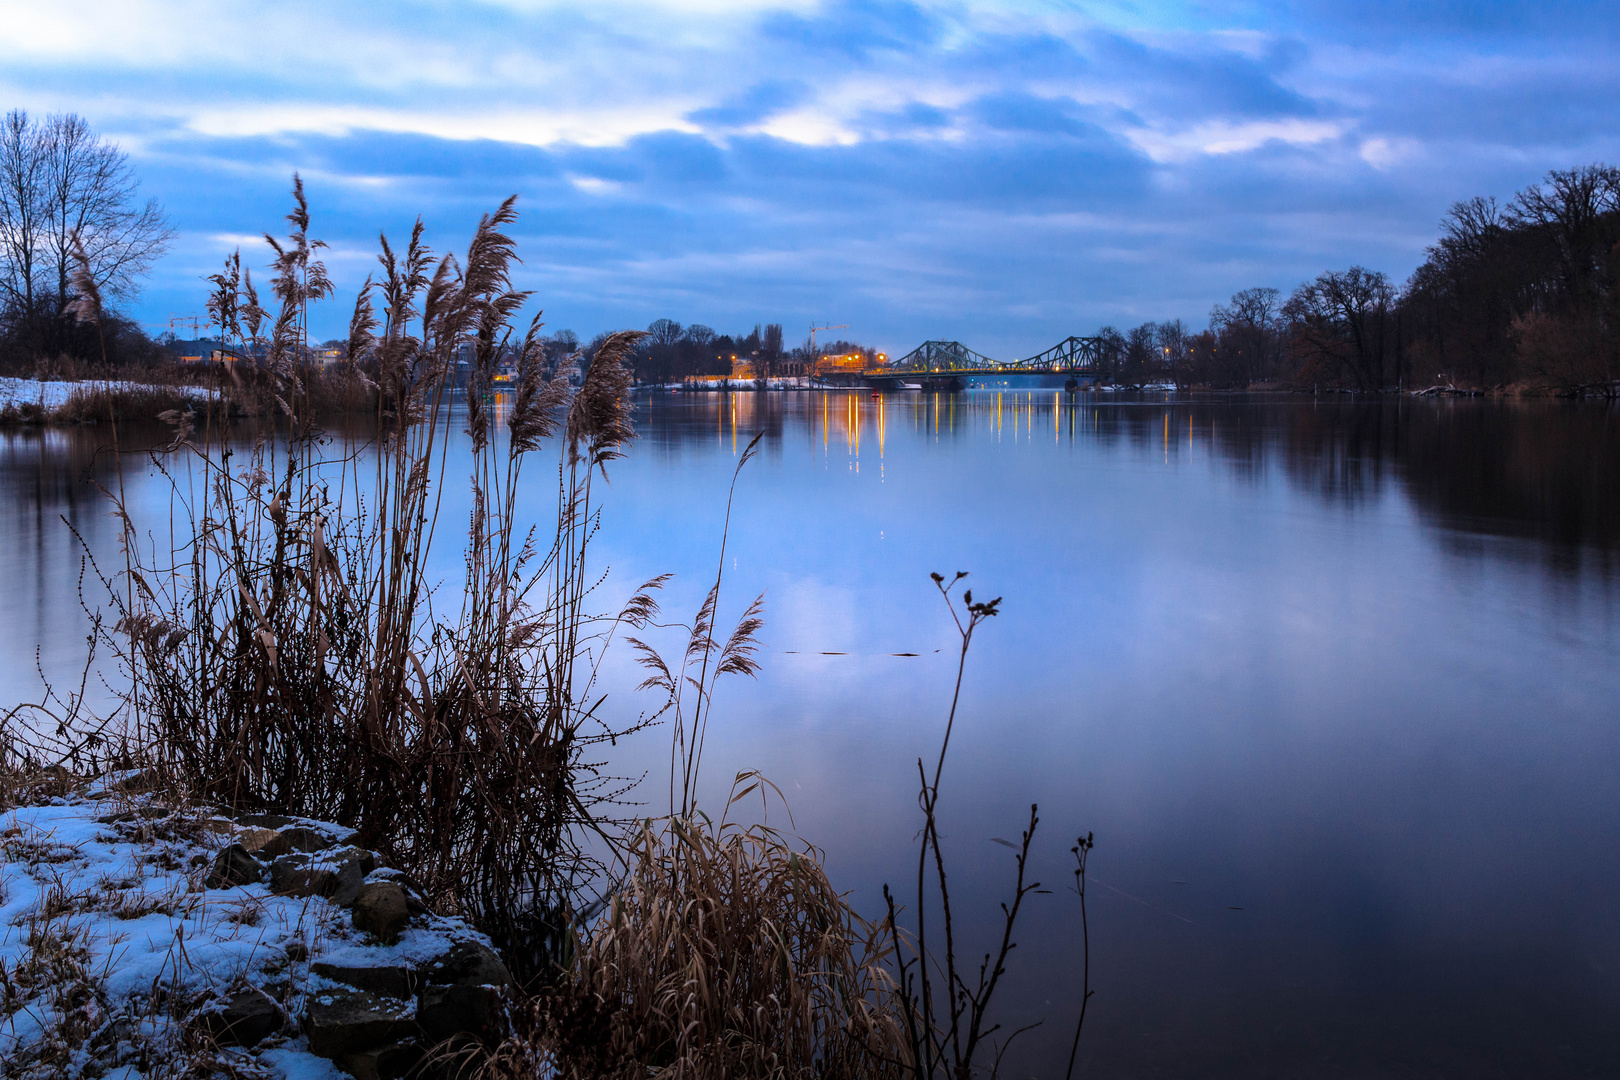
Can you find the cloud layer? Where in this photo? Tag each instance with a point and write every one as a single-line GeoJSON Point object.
{"type": "Point", "coordinates": [1003, 173]}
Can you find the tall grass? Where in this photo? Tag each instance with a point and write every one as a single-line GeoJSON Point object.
{"type": "Point", "coordinates": [726, 953]}
{"type": "Point", "coordinates": [287, 651]}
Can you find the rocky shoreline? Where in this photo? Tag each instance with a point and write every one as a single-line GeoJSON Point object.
{"type": "Point", "coordinates": [273, 942]}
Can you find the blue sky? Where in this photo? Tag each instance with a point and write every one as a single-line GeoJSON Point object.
{"type": "Point", "coordinates": [1004, 173]}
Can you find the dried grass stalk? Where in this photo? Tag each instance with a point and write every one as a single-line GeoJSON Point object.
{"type": "Point", "coordinates": [726, 954]}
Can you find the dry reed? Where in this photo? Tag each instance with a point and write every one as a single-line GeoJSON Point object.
{"type": "Point", "coordinates": [283, 650]}
{"type": "Point", "coordinates": [726, 953]}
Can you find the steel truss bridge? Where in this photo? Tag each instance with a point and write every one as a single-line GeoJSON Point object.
{"type": "Point", "coordinates": [942, 365]}
{"type": "Point", "coordinates": [1075, 355]}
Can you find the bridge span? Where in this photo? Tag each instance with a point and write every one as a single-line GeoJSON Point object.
{"type": "Point", "coordinates": [943, 365]}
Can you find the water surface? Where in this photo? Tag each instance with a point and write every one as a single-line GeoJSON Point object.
{"type": "Point", "coordinates": [1333, 682]}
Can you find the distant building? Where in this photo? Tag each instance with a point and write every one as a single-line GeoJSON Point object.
{"type": "Point", "coordinates": [841, 362]}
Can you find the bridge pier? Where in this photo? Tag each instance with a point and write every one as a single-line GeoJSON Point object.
{"type": "Point", "coordinates": [943, 384]}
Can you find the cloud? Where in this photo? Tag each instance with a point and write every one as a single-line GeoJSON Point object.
{"type": "Point", "coordinates": [1001, 171]}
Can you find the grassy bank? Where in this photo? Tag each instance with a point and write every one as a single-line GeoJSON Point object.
{"type": "Point", "coordinates": [31, 402]}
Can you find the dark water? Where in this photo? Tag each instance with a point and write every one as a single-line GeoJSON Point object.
{"type": "Point", "coordinates": [1333, 682]}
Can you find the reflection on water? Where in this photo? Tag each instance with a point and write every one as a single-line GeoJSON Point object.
{"type": "Point", "coordinates": [1333, 682]}
{"type": "Point", "coordinates": [1541, 470]}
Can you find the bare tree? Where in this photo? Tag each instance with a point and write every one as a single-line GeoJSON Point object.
{"type": "Point", "coordinates": [1173, 342]}
{"type": "Point", "coordinates": [63, 189]}
{"type": "Point", "coordinates": [769, 362]}
{"type": "Point", "coordinates": [21, 168]}
{"type": "Point", "coordinates": [1570, 209]}
{"type": "Point", "coordinates": [664, 332]}
{"type": "Point", "coordinates": [1249, 336]}
{"type": "Point", "coordinates": [89, 192]}
{"type": "Point", "coordinates": [1341, 325]}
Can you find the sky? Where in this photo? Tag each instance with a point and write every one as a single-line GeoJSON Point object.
{"type": "Point", "coordinates": [996, 172]}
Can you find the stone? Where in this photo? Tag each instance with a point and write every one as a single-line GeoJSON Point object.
{"type": "Point", "coordinates": [347, 884]}
{"type": "Point", "coordinates": [379, 909]}
{"type": "Point", "coordinates": [259, 841]}
{"type": "Point", "coordinates": [297, 838]}
{"type": "Point", "coordinates": [297, 875]}
{"type": "Point", "coordinates": [468, 963]}
{"type": "Point", "coordinates": [234, 866]}
{"type": "Point", "coordinates": [145, 780]}
{"type": "Point", "coordinates": [388, 980]}
{"type": "Point", "coordinates": [265, 821]}
{"type": "Point", "coordinates": [247, 1019]}
{"type": "Point", "coordinates": [444, 1012]}
{"type": "Point", "coordinates": [338, 875]}
{"type": "Point", "coordinates": [390, 1062]}
{"type": "Point", "coordinates": [366, 860]}
{"type": "Point", "coordinates": [302, 838]}
{"type": "Point", "coordinates": [350, 1021]}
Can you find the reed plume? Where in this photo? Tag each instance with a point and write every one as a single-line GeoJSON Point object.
{"type": "Point", "coordinates": [539, 399]}
{"type": "Point", "coordinates": [85, 307]}
{"type": "Point", "coordinates": [601, 417]}
{"type": "Point", "coordinates": [362, 326]}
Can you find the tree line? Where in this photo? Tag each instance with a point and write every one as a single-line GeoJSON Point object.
{"type": "Point", "coordinates": [671, 352]}
{"type": "Point", "coordinates": [1526, 292]}
{"type": "Point", "coordinates": [1515, 293]}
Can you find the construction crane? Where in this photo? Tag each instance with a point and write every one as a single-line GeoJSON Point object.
{"type": "Point", "coordinates": [195, 322]}
{"type": "Point", "coordinates": [814, 328]}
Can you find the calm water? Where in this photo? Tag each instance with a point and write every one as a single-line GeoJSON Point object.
{"type": "Point", "coordinates": [1334, 683]}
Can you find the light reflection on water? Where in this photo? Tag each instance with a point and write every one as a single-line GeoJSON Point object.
{"type": "Point", "coordinates": [1333, 683]}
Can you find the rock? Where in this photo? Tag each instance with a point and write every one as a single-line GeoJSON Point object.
{"type": "Point", "coordinates": [379, 909]}
{"type": "Point", "coordinates": [145, 780]}
{"type": "Point", "coordinates": [297, 838]}
{"type": "Point", "coordinates": [259, 841]}
{"type": "Point", "coordinates": [446, 1011]}
{"type": "Point", "coordinates": [247, 1019]}
{"type": "Point", "coordinates": [297, 875]}
{"type": "Point", "coordinates": [348, 883]}
{"type": "Point", "coordinates": [465, 994]}
{"type": "Point", "coordinates": [301, 838]}
{"type": "Point", "coordinates": [383, 1063]}
{"type": "Point", "coordinates": [366, 860]}
{"type": "Point", "coordinates": [351, 1021]}
{"type": "Point", "coordinates": [233, 867]}
{"type": "Point", "coordinates": [468, 963]}
{"type": "Point", "coordinates": [389, 981]}
{"type": "Point", "coordinates": [265, 821]}
{"type": "Point", "coordinates": [337, 875]}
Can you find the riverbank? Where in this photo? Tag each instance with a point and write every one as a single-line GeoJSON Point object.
{"type": "Point", "coordinates": [138, 929]}
{"type": "Point", "coordinates": [44, 402]}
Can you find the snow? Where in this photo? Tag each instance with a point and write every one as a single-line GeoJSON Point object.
{"type": "Point", "coordinates": [125, 878]}
{"type": "Point", "coordinates": [53, 395]}
{"type": "Point", "coordinates": [300, 1065]}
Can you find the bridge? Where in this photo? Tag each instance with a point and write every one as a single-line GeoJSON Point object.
{"type": "Point", "coordinates": [942, 365]}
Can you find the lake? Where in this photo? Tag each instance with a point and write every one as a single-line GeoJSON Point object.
{"type": "Point", "coordinates": [1333, 682]}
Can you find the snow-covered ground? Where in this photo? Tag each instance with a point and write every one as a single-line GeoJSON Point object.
{"type": "Point", "coordinates": [106, 923]}
{"type": "Point", "coordinates": [52, 395]}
